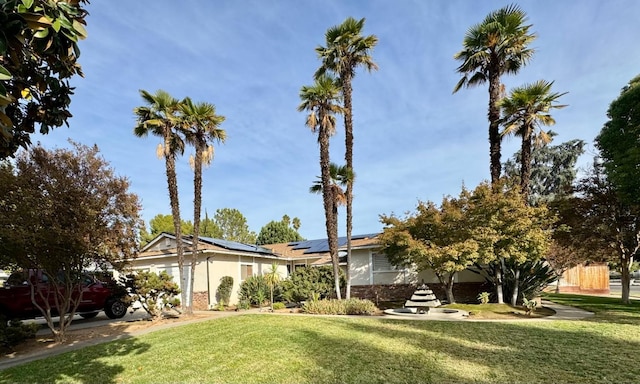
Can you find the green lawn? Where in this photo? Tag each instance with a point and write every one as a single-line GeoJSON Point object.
{"type": "Point", "coordinates": [309, 349]}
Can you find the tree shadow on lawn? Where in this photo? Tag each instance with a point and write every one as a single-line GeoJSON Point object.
{"type": "Point", "coordinates": [439, 351]}
{"type": "Point", "coordinates": [82, 365]}
{"type": "Point", "coordinates": [607, 309]}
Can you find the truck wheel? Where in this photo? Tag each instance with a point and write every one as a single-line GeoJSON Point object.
{"type": "Point", "coordinates": [89, 315]}
{"type": "Point", "coordinates": [115, 309]}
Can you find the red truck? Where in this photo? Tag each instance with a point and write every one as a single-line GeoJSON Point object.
{"type": "Point", "coordinates": [15, 297]}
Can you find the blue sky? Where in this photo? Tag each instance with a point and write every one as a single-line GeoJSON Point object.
{"type": "Point", "coordinates": [414, 139]}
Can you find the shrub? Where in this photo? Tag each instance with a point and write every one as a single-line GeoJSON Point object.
{"type": "Point", "coordinates": [250, 288]}
{"type": "Point", "coordinates": [223, 293]}
{"type": "Point", "coordinates": [339, 307]}
{"type": "Point", "coordinates": [244, 304]}
{"type": "Point", "coordinates": [15, 332]}
{"type": "Point", "coordinates": [306, 281]}
{"type": "Point", "coordinates": [534, 277]}
{"type": "Point", "coordinates": [530, 305]}
{"type": "Point", "coordinates": [155, 292]}
{"type": "Point", "coordinates": [483, 297]}
{"type": "Point", "coordinates": [279, 305]}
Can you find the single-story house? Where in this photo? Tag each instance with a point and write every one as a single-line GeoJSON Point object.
{"type": "Point", "coordinates": [372, 276]}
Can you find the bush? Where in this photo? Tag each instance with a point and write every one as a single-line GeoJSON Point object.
{"type": "Point", "coordinates": [306, 281]}
{"type": "Point", "coordinates": [483, 297]}
{"type": "Point", "coordinates": [279, 305]}
{"type": "Point", "coordinates": [15, 332]}
{"type": "Point", "coordinates": [155, 292]}
{"type": "Point", "coordinates": [339, 307]}
{"type": "Point", "coordinates": [250, 290]}
{"type": "Point", "coordinates": [223, 293]}
{"type": "Point", "coordinates": [534, 277]}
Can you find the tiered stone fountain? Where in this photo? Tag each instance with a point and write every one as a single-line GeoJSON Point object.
{"type": "Point", "coordinates": [422, 302]}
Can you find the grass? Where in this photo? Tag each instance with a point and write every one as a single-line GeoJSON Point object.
{"type": "Point", "coordinates": [309, 349]}
{"type": "Point", "coordinates": [606, 309]}
{"type": "Point", "coordinates": [499, 311]}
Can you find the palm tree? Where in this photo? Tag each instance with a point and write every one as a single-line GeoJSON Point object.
{"type": "Point", "coordinates": [201, 126]}
{"type": "Point", "coordinates": [158, 117]}
{"type": "Point", "coordinates": [272, 279]}
{"type": "Point", "coordinates": [322, 101]}
{"type": "Point", "coordinates": [498, 45]}
{"type": "Point", "coordinates": [346, 49]}
{"type": "Point", "coordinates": [341, 176]}
{"type": "Point", "coordinates": [525, 109]}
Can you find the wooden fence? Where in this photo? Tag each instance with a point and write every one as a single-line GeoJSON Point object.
{"type": "Point", "coordinates": [592, 278]}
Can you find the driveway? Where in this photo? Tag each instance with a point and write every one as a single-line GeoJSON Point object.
{"type": "Point", "coordinates": [80, 323]}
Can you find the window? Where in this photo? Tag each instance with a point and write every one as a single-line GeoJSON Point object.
{"type": "Point", "coordinates": [381, 263]}
{"type": "Point", "coordinates": [246, 270]}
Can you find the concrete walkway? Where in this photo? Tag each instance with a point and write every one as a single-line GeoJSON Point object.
{"type": "Point", "coordinates": [563, 312]}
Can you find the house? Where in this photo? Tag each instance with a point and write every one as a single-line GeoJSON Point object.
{"type": "Point", "coordinates": [372, 276]}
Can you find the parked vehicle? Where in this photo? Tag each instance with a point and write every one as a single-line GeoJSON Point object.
{"type": "Point", "coordinates": [15, 296]}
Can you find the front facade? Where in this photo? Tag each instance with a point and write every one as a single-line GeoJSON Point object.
{"type": "Point", "coordinates": [372, 276]}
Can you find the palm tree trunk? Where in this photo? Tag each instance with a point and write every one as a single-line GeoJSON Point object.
{"type": "Point", "coordinates": [197, 207]}
{"type": "Point", "coordinates": [494, 126]}
{"type": "Point", "coordinates": [327, 197]}
{"type": "Point", "coordinates": [348, 157]}
{"type": "Point", "coordinates": [172, 183]}
{"type": "Point", "coordinates": [525, 164]}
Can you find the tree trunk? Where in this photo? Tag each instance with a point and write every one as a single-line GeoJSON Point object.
{"type": "Point", "coordinates": [172, 183]}
{"type": "Point", "coordinates": [625, 278]}
{"type": "Point", "coordinates": [348, 157]}
{"type": "Point", "coordinates": [494, 125]}
{"type": "Point", "coordinates": [197, 206]}
{"type": "Point", "coordinates": [327, 197]}
{"type": "Point", "coordinates": [449, 287]}
{"type": "Point", "coordinates": [525, 163]}
{"type": "Point", "coordinates": [514, 295]}
{"type": "Point", "coordinates": [499, 293]}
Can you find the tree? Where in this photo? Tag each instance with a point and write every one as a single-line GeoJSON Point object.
{"type": "Point", "coordinates": [322, 101]}
{"type": "Point", "coordinates": [159, 119]}
{"type": "Point", "coordinates": [346, 49]}
{"type": "Point", "coordinates": [341, 176]}
{"type": "Point", "coordinates": [38, 54]}
{"type": "Point", "coordinates": [618, 143]}
{"type": "Point", "coordinates": [233, 226]}
{"type": "Point", "coordinates": [154, 292]}
{"type": "Point", "coordinates": [164, 223]}
{"type": "Point", "coordinates": [279, 232]}
{"type": "Point", "coordinates": [62, 211]}
{"type": "Point", "coordinates": [553, 170]}
{"type": "Point", "coordinates": [435, 238]}
{"type": "Point", "coordinates": [525, 109]}
{"type": "Point", "coordinates": [508, 231]}
{"type": "Point", "coordinates": [272, 279]}
{"type": "Point", "coordinates": [497, 46]}
{"type": "Point", "coordinates": [200, 125]}
{"type": "Point", "coordinates": [601, 224]}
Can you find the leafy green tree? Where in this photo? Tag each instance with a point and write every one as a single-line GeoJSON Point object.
{"type": "Point", "coordinates": [200, 125]}
{"type": "Point", "coordinates": [155, 292]}
{"type": "Point", "coordinates": [525, 109]}
{"type": "Point", "coordinates": [553, 170]}
{"type": "Point", "coordinates": [38, 54]}
{"type": "Point", "coordinates": [618, 143]}
{"type": "Point", "coordinates": [158, 117]}
{"type": "Point", "coordinates": [233, 226]}
{"type": "Point", "coordinates": [433, 238]}
{"type": "Point", "coordinates": [279, 232]}
{"type": "Point", "coordinates": [61, 211]}
{"type": "Point", "coordinates": [322, 101]}
{"type": "Point", "coordinates": [508, 231]}
{"type": "Point", "coordinates": [164, 223]}
{"type": "Point", "coordinates": [347, 49]}
{"type": "Point", "coordinates": [497, 46]}
{"type": "Point", "coordinates": [223, 293]}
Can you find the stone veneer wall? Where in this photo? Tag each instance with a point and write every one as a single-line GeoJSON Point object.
{"type": "Point", "coordinates": [200, 301]}
{"type": "Point", "coordinates": [463, 292]}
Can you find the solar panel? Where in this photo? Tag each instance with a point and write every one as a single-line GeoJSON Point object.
{"type": "Point", "coordinates": [322, 245]}
{"type": "Point", "coordinates": [233, 245]}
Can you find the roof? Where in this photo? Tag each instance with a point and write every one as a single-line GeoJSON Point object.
{"type": "Point", "coordinates": [320, 247]}
{"type": "Point", "coordinates": [234, 245]}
